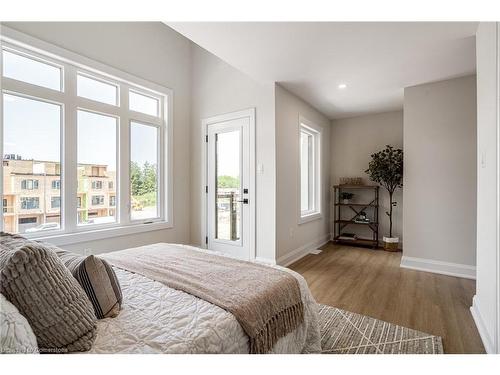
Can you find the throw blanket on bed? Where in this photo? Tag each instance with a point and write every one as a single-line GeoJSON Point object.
{"type": "Point", "coordinates": [265, 301]}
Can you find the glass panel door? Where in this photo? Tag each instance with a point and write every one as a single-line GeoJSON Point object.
{"type": "Point", "coordinates": [228, 191]}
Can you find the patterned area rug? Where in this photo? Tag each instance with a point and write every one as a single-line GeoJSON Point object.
{"type": "Point", "coordinates": [344, 332]}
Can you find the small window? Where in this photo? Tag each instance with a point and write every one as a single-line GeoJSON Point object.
{"type": "Point", "coordinates": [143, 171]}
{"type": "Point", "coordinates": [30, 203]}
{"type": "Point", "coordinates": [97, 200]}
{"type": "Point", "coordinates": [27, 220]}
{"type": "Point", "coordinates": [97, 185]}
{"type": "Point", "coordinates": [29, 184]}
{"type": "Point", "coordinates": [112, 201]}
{"type": "Point", "coordinates": [56, 185]}
{"type": "Point", "coordinates": [5, 205]}
{"type": "Point", "coordinates": [309, 171]}
{"type": "Point", "coordinates": [79, 202]}
{"type": "Point", "coordinates": [111, 185]}
{"type": "Point", "coordinates": [55, 202]}
{"type": "Point", "coordinates": [143, 103]}
{"type": "Point", "coordinates": [31, 70]}
{"type": "Point", "coordinates": [97, 90]}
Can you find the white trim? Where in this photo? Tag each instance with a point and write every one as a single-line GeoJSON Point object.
{"type": "Point", "coordinates": [99, 234]}
{"type": "Point", "coordinates": [481, 327]}
{"type": "Point", "coordinates": [302, 251]}
{"type": "Point", "coordinates": [310, 217]}
{"type": "Point", "coordinates": [265, 260]}
{"type": "Point", "coordinates": [245, 113]}
{"type": "Point", "coordinates": [436, 266]}
{"type": "Point", "coordinates": [496, 340]}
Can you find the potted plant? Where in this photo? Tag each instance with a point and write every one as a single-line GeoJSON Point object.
{"type": "Point", "coordinates": [386, 169]}
{"type": "Point", "coordinates": [345, 196]}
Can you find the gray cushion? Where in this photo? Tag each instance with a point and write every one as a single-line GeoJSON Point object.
{"type": "Point", "coordinates": [36, 281]}
{"type": "Point", "coordinates": [97, 279]}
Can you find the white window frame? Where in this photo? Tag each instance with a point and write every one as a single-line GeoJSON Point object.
{"type": "Point", "coordinates": [73, 64]}
{"type": "Point", "coordinates": [315, 131]}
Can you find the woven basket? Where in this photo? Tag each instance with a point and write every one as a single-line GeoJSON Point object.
{"type": "Point", "coordinates": [391, 244]}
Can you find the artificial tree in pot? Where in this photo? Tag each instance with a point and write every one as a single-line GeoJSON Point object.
{"type": "Point", "coordinates": [386, 169]}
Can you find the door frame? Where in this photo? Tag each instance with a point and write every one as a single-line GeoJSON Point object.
{"type": "Point", "coordinates": [205, 123]}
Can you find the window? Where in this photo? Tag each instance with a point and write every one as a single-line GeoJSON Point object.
{"type": "Point", "coordinates": [55, 202]}
{"type": "Point", "coordinates": [143, 171]}
{"type": "Point", "coordinates": [29, 184]}
{"type": "Point", "coordinates": [30, 203]}
{"type": "Point", "coordinates": [38, 106]}
{"type": "Point", "coordinates": [310, 182]}
{"type": "Point", "coordinates": [143, 103]}
{"type": "Point", "coordinates": [97, 90]}
{"type": "Point", "coordinates": [31, 70]}
{"type": "Point", "coordinates": [97, 200]}
{"type": "Point", "coordinates": [97, 135]}
{"type": "Point", "coordinates": [27, 220]}
{"type": "Point", "coordinates": [31, 129]}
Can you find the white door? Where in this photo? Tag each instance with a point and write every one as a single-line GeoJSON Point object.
{"type": "Point", "coordinates": [229, 187]}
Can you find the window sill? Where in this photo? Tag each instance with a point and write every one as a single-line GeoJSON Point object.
{"type": "Point", "coordinates": [310, 217]}
{"type": "Point", "coordinates": [100, 234]}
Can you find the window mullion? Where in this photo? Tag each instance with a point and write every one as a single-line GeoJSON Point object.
{"type": "Point", "coordinates": [123, 203]}
{"type": "Point", "coordinates": [69, 186]}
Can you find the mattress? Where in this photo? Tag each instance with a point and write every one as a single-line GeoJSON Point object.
{"type": "Point", "coordinates": [159, 319]}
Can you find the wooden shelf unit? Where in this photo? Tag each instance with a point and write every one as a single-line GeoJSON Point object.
{"type": "Point", "coordinates": [339, 223]}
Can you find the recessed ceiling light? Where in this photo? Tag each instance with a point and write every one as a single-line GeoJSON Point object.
{"type": "Point", "coordinates": [342, 86]}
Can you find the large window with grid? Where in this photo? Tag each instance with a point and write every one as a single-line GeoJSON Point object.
{"type": "Point", "coordinates": [98, 135]}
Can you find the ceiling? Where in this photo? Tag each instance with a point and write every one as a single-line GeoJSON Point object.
{"type": "Point", "coordinates": [376, 60]}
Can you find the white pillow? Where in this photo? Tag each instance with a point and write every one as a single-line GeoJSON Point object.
{"type": "Point", "coordinates": [16, 335]}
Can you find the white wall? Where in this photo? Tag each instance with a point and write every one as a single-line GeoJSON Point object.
{"type": "Point", "coordinates": [152, 51]}
{"type": "Point", "coordinates": [439, 219]}
{"type": "Point", "coordinates": [294, 239]}
{"type": "Point", "coordinates": [353, 140]}
{"type": "Point", "coordinates": [486, 300]}
{"type": "Point", "coordinates": [219, 88]}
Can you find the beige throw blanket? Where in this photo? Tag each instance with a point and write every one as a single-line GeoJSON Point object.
{"type": "Point", "coordinates": [265, 301]}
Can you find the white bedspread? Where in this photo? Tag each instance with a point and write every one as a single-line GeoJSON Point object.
{"type": "Point", "coordinates": [158, 319]}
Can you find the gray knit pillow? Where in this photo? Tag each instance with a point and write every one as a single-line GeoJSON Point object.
{"type": "Point", "coordinates": [35, 280]}
{"type": "Point", "coordinates": [98, 280]}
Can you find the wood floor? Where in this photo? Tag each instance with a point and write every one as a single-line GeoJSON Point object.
{"type": "Point", "coordinates": [370, 282]}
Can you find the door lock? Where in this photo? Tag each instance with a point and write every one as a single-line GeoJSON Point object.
{"type": "Point", "coordinates": [244, 201]}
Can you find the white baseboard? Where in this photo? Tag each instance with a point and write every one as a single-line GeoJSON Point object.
{"type": "Point", "coordinates": [302, 251]}
{"type": "Point", "coordinates": [265, 260]}
{"type": "Point", "coordinates": [436, 266]}
{"type": "Point", "coordinates": [481, 327]}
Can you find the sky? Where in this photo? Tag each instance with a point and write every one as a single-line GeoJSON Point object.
{"type": "Point", "coordinates": [32, 130]}
{"type": "Point", "coordinates": [228, 154]}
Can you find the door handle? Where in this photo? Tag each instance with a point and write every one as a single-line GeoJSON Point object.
{"type": "Point", "coordinates": [244, 201]}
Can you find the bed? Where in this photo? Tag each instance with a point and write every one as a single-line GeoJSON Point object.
{"type": "Point", "coordinates": [159, 319]}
